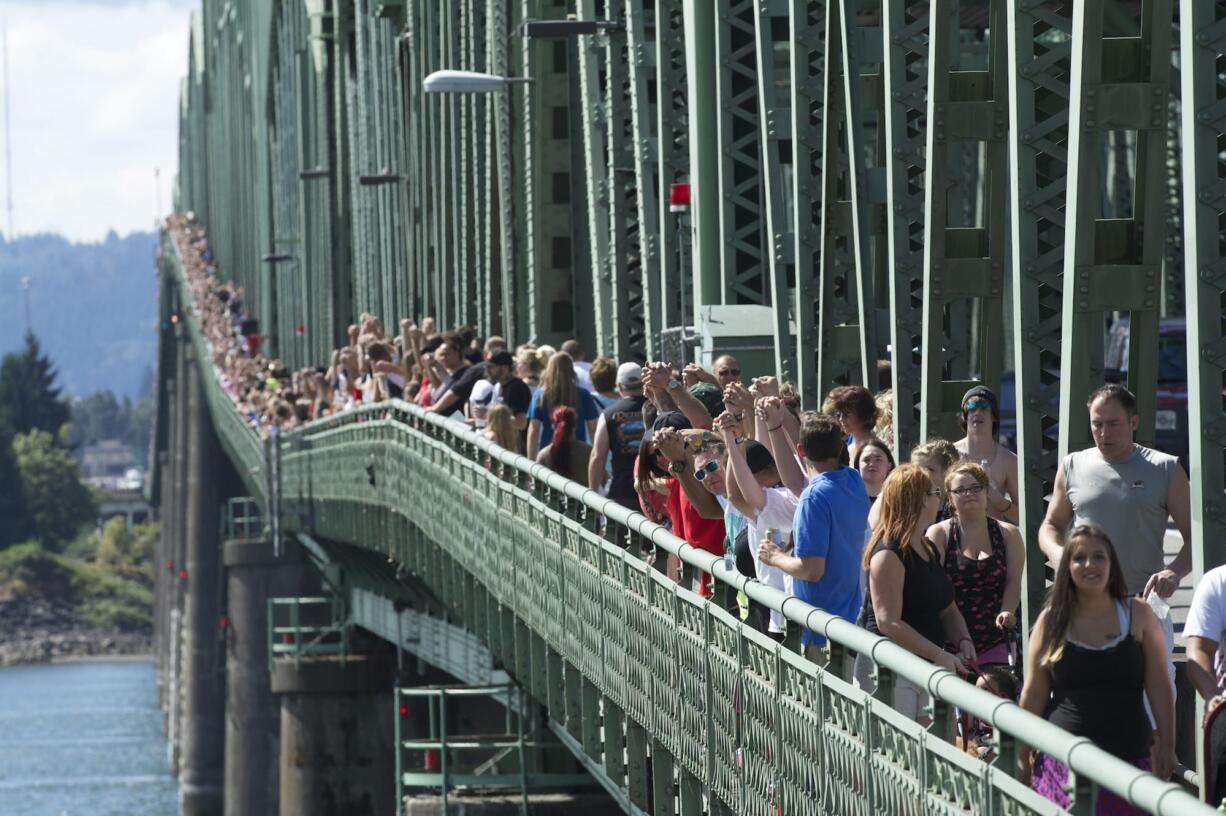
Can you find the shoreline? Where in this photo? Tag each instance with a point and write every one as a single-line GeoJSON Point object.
{"type": "Point", "coordinates": [75, 645]}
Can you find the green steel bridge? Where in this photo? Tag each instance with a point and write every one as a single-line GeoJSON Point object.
{"type": "Point", "coordinates": [963, 190]}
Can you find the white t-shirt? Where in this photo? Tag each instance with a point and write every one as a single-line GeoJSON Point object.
{"type": "Point", "coordinates": [777, 514]}
{"type": "Point", "coordinates": [1207, 616]}
{"type": "Point", "coordinates": [583, 374]}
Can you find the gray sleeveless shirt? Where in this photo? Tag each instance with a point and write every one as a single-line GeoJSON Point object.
{"type": "Point", "coordinates": [1128, 500]}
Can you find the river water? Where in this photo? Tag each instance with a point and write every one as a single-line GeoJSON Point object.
{"type": "Point", "coordinates": [83, 739]}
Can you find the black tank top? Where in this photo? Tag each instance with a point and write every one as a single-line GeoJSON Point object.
{"type": "Point", "coordinates": [1099, 693]}
{"type": "Point", "coordinates": [926, 593]}
{"type": "Point", "coordinates": [624, 423]}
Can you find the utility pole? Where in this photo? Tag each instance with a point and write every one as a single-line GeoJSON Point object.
{"type": "Point", "coordinates": [8, 133]}
{"type": "Point", "coordinates": [25, 287]}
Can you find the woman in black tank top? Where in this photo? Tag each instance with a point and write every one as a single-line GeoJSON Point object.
{"type": "Point", "coordinates": [1094, 655]}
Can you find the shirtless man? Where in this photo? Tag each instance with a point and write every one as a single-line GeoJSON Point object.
{"type": "Point", "coordinates": [980, 418]}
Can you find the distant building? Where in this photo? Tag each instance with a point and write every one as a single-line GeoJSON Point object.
{"type": "Point", "coordinates": [111, 465]}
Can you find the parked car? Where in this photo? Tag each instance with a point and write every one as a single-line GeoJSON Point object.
{"type": "Point", "coordinates": [1171, 415]}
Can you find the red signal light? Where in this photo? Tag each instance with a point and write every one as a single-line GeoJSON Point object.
{"type": "Point", "coordinates": [182, 575]}
{"type": "Point", "coordinates": [404, 710]}
{"type": "Point", "coordinates": [225, 622]}
{"type": "Point", "coordinates": [679, 197]}
{"type": "Point", "coordinates": [432, 759]}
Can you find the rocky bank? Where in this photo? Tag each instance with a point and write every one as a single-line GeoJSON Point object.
{"type": "Point", "coordinates": [34, 631]}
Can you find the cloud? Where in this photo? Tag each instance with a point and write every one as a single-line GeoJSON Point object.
{"type": "Point", "coordinates": [95, 88]}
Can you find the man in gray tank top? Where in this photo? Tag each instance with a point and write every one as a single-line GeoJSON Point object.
{"type": "Point", "coordinates": [1127, 489]}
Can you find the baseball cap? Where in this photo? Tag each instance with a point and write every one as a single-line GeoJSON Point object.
{"type": "Point", "coordinates": [668, 419]}
{"type": "Point", "coordinates": [630, 375]}
{"type": "Point", "coordinates": [976, 394]}
{"type": "Point", "coordinates": [711, 397]}
{"type": "Point", "coordinates": [758, 456]}
{"type": "Point", "coordinates": [501, 358]}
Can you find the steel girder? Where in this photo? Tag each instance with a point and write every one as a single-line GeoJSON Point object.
{"type": "Point", "coordinates": [905, 66]}
{"type": "Point", "coordinates": [967, 117]}
{"type": "Point", "coordinates": [1203, 45]}
{"type": "Point", "coordinates": [1114, 264]}
{"type": "Point", "coordinates": [806, 34]}
{"type": "Point", "coordinates": [611, 168]}
{"type": "Point", "coordinates": [1040, 55]}
{"type": "Point", "coordinates": [671, 129]}
{"type": "Point", "coordinates": [847, 347]}
{"type": "Point", "coordinates": [642, 61]}
{"type": "Point", "coordinates": [772, 29]}
{"type": "Point", "coordinates": [743, 171]}
{"type": "Point", "coordinates": [545, 123]}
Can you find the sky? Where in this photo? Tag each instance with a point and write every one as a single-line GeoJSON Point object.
{"type": "Point", "coordinates": [94, 112]}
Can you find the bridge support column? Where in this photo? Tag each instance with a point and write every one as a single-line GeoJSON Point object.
{"type": "Point", "coordinates": [203, 729]}
{"type": "Point", "coordinates": [174, 530]}
{"type": "Point", "coordinates": [253, 574]}
{"type": "Point", "coordinates": [336, 736]}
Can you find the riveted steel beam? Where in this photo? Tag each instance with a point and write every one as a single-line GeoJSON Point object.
{"type": "Point", "coordinates": [774, 132]}
{"type": "Point", "coordinates": [1113, 259]}
{"type": "Point", "coordinates": [847, 346]}
{"type": "Point", "coordinates": [806, 34]}
{"type": "Point", "coordinates": [1203, 47]}
{"type": "Point", "coordinates": [1040, 56]}
{"type": "Point", "coordinates": [743, 268]}
{"type": "Point", "coordinates": [967, 120]}
{"type": "Point", "coordinates": [905, 67]}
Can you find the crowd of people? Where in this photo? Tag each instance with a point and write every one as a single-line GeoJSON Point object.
{"type": "Point", "coordinates": [925, 551]}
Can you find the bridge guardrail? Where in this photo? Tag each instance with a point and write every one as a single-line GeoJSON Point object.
{"type": "Point", "coordinates": [628, 659]}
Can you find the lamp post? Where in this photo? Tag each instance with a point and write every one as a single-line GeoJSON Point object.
{"type": "Point", "coordinates": [470, 82]}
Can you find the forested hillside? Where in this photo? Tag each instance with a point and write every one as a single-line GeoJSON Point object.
{"type": "Point", "coordinates": [93, 307]}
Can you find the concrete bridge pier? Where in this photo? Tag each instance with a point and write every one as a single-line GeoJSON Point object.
{"type": "Point", "coordinates": [203, 730]}
{"type": "Point", "coordinates": [174, 533]}
{"type": "Point", "coordinates": [336, 736]}
{"type": "Point", "coordinates": [254, 573]}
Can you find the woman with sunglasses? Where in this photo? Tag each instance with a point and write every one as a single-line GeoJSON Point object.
{"type": "Point", "coordinates": [983, 558]}
{"type": "Point", "coordinates": [910, 599]}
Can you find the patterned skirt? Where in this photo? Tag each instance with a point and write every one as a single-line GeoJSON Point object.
{"type": "Point", "coordinates": [1050, 777]}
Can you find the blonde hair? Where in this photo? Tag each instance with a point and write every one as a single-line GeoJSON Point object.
{"type": "Point", "coordinates": [498, 422]}
{"type": "Point", "coordinates": [942, 450]}
{"type": "Point", "coordinates": [902, 502]}
{"type": "Point", "coordinates": [558, 385]}
{"type": "Point", "coordinates": [884, 429]}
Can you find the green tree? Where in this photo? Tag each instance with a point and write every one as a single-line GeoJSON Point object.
{"type": "Point", "coordinates": [57, 502]}
{"type": "Point", "coordinates": [29, 397]}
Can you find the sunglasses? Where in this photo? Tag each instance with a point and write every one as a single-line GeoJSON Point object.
{"type": "Point", "coordinates": [936, 491]}
{"type": "Point", "coordinates": [977, 403]}
{"type": "Point", "coordinates": [709, 467]}
{"type": "Point", "coordinates": [969, 490]}
{"type": "Point", "coordinates": [730, 372]}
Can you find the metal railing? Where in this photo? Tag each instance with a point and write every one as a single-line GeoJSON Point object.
{"type": "Point", "coordinates": [637, 669]}
{"type": "Point", "coordinates": [454, 760]}
{"type": "Point", "coordinates": [307, 627]}
{"type": "Point", "coordinates": [241, 518]}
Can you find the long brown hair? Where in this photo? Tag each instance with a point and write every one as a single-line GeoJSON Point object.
{"type": "Point", "coordinates": [558, 386]}
{"type": "Point", "coordinates": [1062, 599]}
{"type": "Point", "coordinates": [902, 508]}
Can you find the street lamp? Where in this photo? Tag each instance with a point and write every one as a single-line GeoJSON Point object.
{"type": "Point", "coordinates": [469, 82]}
{"type": "Point", "coordinates": [474, 82]}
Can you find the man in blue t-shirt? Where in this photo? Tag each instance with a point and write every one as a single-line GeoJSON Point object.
{"type": "Point", "coordinates": [828, 532]}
